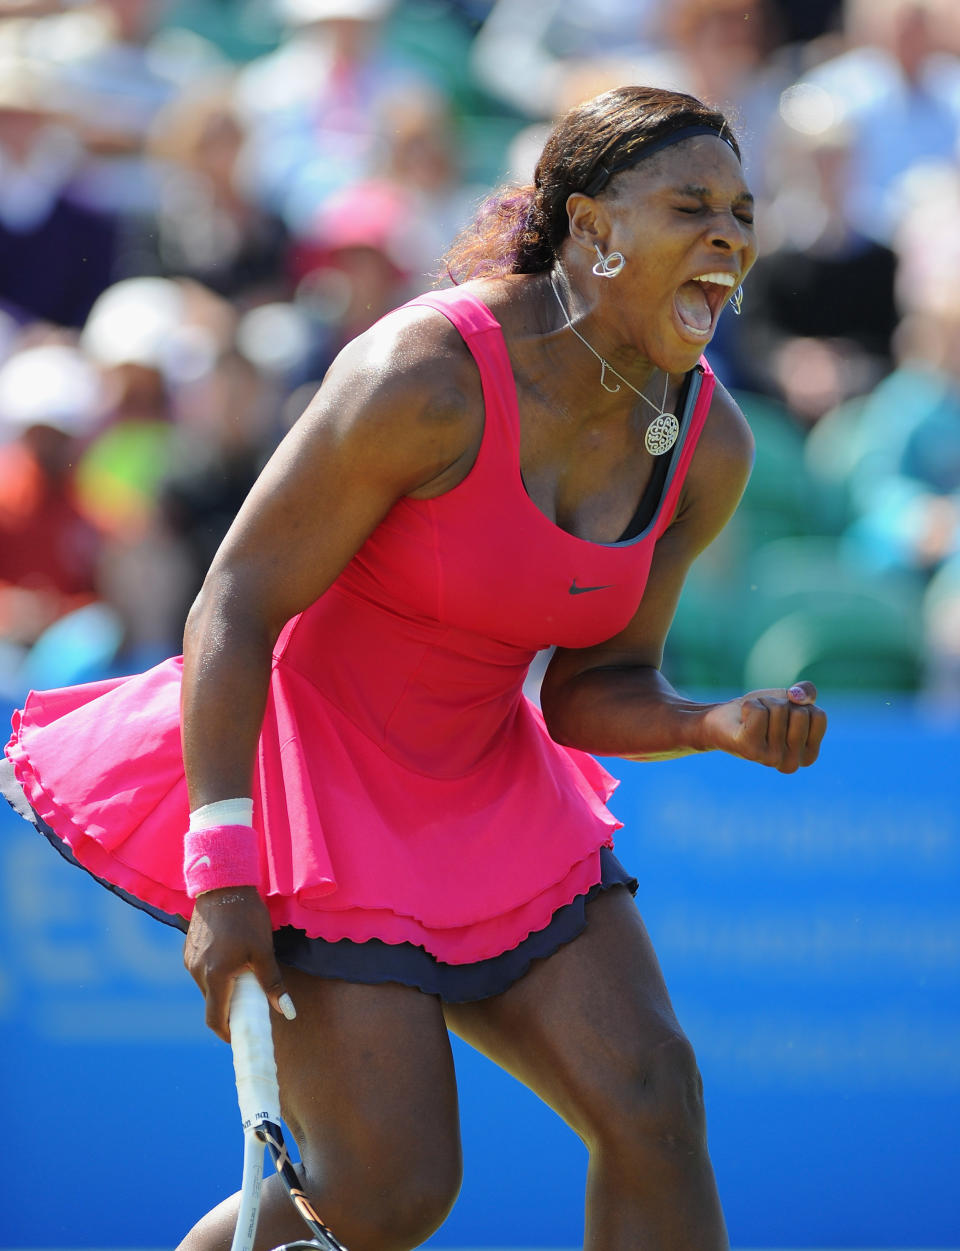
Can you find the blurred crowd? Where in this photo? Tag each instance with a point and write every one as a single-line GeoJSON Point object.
{"type": "Point", "coordinates": [201, 201]}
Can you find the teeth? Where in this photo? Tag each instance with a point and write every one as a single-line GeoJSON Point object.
{"type": "Point", "coordinates": [721, 279]}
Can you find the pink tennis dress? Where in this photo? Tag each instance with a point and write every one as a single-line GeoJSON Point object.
{"type": "Point", "coordinates": [405, 789]}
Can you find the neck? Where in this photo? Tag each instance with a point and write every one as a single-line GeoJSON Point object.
{"type": "Point", "coordinates": [619, 368]}
{"type": "Point", "coordinates": [580, 306]}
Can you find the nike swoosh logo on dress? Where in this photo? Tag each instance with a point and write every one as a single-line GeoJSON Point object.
{"type": "Point", "coordinates": [581, 590]}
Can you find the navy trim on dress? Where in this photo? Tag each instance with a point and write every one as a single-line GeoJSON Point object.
{"type": "Point", "coordinates": [375, 962]}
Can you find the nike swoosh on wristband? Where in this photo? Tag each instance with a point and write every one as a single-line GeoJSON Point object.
{"type": "Point", "coordinates": [581, 590]}
{"type": "Point", "coordinates": [202, 863]}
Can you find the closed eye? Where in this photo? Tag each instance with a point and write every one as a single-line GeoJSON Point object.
{"type": "Point", "coordinates": [689, 210]}
{"type": "Point", "coordinates": [695, 198]}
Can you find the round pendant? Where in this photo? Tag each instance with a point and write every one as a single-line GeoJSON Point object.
{"type": "Point", "coordinates": [661, 434]}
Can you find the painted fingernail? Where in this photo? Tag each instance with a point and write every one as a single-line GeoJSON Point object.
{"type": "Point", "coordinates": [287, 1008]}
{"type": "Point", "coordinates": [797, 692]}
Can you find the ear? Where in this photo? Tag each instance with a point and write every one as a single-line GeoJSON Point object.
{"type": "Point", "coordinates": [589, 224]}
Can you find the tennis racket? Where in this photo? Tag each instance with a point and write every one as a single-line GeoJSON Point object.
{"type": "Point", "coordinates": [259, 1098]}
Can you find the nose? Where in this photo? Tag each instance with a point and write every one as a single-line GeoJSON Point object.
{"type": "Point", "coordinates": [729, 234]}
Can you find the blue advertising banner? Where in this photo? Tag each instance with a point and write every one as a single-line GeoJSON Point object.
{"type": "Point", "coordinates": [809, 931]}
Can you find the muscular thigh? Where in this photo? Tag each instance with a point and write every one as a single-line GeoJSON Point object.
{"type": "Point", "coordinates": [367, 1080]}
{"type": "Point", "coordinates": [578, 1026]}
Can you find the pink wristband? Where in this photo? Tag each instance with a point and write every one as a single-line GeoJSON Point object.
{"type": "Point", "coordinates": [221, 856]}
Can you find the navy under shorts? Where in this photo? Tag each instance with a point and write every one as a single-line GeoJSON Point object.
{"type": "Point", "coordinates": [375, 962]}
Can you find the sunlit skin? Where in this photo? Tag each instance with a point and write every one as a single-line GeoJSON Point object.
{"type": "Point", "coordinates": [365, 1070]}
{"type": "Point", "coordinates": [686, 211]}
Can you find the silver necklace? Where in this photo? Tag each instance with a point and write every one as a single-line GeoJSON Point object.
{"type": "Point", "coordinates": [663, 430]}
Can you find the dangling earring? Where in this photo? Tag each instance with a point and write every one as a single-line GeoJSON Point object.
{"type": "Point", "coordinates": [736, 301]}
{"type": "Point", "coordinates": [608, 266]}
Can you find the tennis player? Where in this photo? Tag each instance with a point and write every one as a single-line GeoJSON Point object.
{"type": "Point", "coordinates": [377, 822]}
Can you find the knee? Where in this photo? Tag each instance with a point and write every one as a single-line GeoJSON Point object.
{"type": "Point", "coordinates": [653, 1103]}
{"type": "Point", "coordinates": [394, 1207]}
{"type": "Point", "coordinates": [405, 1216]}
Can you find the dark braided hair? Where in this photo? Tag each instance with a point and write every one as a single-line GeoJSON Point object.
{"type": "Point", "coordinates": [520, 229]}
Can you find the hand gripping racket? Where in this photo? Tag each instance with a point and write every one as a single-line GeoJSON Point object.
{"type": "Point", "coordinates": [259, 1098]}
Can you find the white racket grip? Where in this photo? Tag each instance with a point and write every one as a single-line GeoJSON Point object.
{"type": "Point", "coordinates": [253, 1059]}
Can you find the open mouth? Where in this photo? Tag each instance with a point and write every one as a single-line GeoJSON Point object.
{"type": "Point", "coordinates": [699, 301]}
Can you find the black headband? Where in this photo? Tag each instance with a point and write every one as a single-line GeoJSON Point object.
{"type": "Point", "coordinates": [603, 175]}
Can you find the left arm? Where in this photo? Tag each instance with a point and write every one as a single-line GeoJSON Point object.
{"type": "Point", "coordinates": [612, 699]}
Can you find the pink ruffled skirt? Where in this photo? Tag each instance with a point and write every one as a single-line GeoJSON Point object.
{"type": "Point", "coordinates": [355, 843]}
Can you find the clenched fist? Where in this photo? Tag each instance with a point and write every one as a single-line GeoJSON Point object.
{"type": "Point", "coordinates": [780, 728]}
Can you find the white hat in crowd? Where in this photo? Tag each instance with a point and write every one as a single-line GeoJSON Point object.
{"type": "Point", "coordinates": [51, 385]}
{"type": "Point", "coordinates": [302, 12]}
{"type": "Point", "coordinates": [146, 321]}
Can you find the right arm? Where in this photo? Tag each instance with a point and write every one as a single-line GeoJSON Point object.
{"type": "Point", "coordinates": [611, 699]}
{"type": "Point", "coordinates": [395, 416]}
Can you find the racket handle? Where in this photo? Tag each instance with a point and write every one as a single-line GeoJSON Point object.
{"type": "Point", "coordinates": [253, 1061]}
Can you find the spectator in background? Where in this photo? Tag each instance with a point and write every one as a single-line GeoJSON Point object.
{"type": "Point", "coordinates": [376, 239]}
{"type": "Point", "coordinates": [118, 70]}
{"type": "Point", "coordinates": [56, 253]}
{"type": "Point", "coordinates": [419, 156]}
{"type": "Point", "coordinates": [218, 458]}
{"type": "Point", "coordinates": [354, 267]}
{"type": "Point", "coordinates": [312, 104]}
{"type": "Point", "coordinates": [524, 52]}
{"type": "Point", "coordinates": [926, 236]}
{"type": "Point", "coordinates": [901, 442]}
{"type": "Point", "coordinates": [136, 336]}
{"type": "Point", "coordinates": [726, 51]}
{"type": "Point", "coordinates": [723, 51]}
{"type": "Point", "coordinates": [50, 404]}
{"type": "Point", "coordinates": [205, 224]}
{"type": "Point", "coordinates": [906, 479]}
{"type": "Point", "coordinates": [820, 307]}
{"type": "Point", "coordinates": [156, 341]}
{"type": "Point", "coordinates": [897, 87]}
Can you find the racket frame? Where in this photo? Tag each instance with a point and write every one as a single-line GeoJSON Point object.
{"type": "Point", "coordinates": [258, 1094]}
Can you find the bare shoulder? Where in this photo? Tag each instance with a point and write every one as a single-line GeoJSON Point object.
{"type": "Point", "coordinates": [414, 358]}
{"type": "Point", "coordinates": [727, 438]}
{"type": "Point", "coordinates": [407, 391]}
{"type": "Point", "coordinates": [399, 411]}
{"type": "Point", "coordinates": [724, 455]}
{"type": "Point", "coordinates": [718, 472]}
